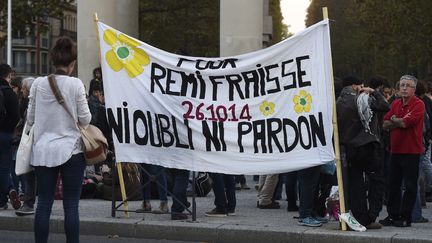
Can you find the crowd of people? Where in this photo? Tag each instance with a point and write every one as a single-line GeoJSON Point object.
{"type": "Point", "coordinates": [384, 131]}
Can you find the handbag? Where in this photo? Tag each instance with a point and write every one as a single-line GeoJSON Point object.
{"type": "Point", "coordinates": [95, 143]}
{"type": "Point", "coordinates": [22, 165]}
{"type": "Point", "coordinates": [203, 184]}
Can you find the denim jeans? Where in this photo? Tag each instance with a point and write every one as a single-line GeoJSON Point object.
{"type": "Point", "coordinates": [181, 179]}
{"type": "Point", "coordinates": [151, 171]}
{"type": "Point", "coordinates": [224, 190]}
{"type": "Point", "coordinates": [5, 166]}
{"type": "Point", "coordinates": [72, 173]}
{"type": "Point", "coordinates": [308, 180]}
{"type": "Point", "coordinates": [426, 168]}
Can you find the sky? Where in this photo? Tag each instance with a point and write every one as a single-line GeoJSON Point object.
{"type": "Point", "coordinates": [294, 14]}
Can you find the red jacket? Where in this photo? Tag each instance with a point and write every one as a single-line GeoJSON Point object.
{"type": "Point", "coordinates": [408, 140]}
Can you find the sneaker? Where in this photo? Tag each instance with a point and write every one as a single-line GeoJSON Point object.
{"type": "Point", "coordinates": [238, 186]}
{"type": "Point", "coordinates": [374, 225]}
{"type": "Point", "coordinates": [24, 210]}
{"type": "Point", "coordinates": [216, 213]}
{"type": "Point", "coordinates": [352, 222]}
{"type": "Point", "coordinates": [322, 220]}
{"type": "Point", "coordinates": [178, 216]}
{"type": "Point", "coordinates": [14, 199]}
{"type": "Point", "coordinates": [163, 208]}
{"type": "Point", "coordinates": [272, 205]}
{"type": "Point", "coordinates": [145, 207]}
{"type": "Point", "coordinates": [310, 222]}
{"type": "Point", "coordinates": [244, 186]}
{"type": "Point", "coordinates": [231, 213]}
{"type": "Point", "coordinates": [388, 221]}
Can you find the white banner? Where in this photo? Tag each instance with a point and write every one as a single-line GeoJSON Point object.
{"type": "Point", "coordinates": [268, 111]}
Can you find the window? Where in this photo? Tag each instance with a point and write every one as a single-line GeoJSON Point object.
{"type": "Point", "coordinates": [33, 62]}
{"type": "Point", "coordinates": [19, 61]}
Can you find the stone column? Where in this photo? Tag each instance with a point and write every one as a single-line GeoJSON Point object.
{"type": "Point", "coordinates": [241, 26]}
{"type": "Point", "coordinates": [121, 15]}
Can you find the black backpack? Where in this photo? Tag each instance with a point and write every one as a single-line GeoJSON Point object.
{"type": "Point", "coordinates": [2, 103]}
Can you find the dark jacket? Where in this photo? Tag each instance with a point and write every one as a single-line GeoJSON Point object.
{"type": "Point", "coordinates": [94, 104]}
{"type": "Point", "coordinates": [12, 108]}
{"type": "Point", "coordinates": [351, 130]}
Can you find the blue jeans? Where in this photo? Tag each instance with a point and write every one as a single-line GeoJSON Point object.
{"type": "Point", "coordinates": [308, 181]}
{"type": "Point", "coordinates": [72, 173]}
{"type": "Point", "coordinates": [5, 166]}
{"type": "Point", "coordinates": [181, 179]}
{"type": "Point", "coordinates": [151, 171]}
{"type": "Point", "coordinates": [224, 190]}
{"type": "Point", "coordinates": [426, 168]}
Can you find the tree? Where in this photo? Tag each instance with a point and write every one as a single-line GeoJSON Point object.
{"type": "Point", "coordinates": [280, 30]}
{"type": "Point", "coordinates": [370, 37]}
{"type": "Point", "coordinates": [25, 14]}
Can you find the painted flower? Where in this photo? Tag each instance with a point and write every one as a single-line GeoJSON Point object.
{"type": "Point", "coordinates": [267, 108]}
{"type": "Point", "coordinates": [302, 102]}
{"type": "Point", "coordinates": [125, 54]}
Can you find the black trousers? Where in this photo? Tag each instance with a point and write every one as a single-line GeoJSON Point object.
{"type": "Point", "coordinates": [403, 167]}
{"type": "Point", "coordinates": [365, 200]}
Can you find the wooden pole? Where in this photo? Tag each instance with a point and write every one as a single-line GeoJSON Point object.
{"type": "Point", "coordinates": [336, 141]}
{"type": "Point", "coordinates": [122, 189]}
{"type": "Point", "coordinates": [118, 164]}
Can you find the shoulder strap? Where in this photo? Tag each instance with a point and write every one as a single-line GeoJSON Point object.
{"type": "Point", "coordinates": [57, 93]}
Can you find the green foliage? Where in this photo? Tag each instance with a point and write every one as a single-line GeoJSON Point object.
{"type": "Point", "coordinates": [188, 27]}
{"type": "Point", "coordinates": [371, 37]}
{"type": "Point", "coordinates": [280, 30]}
{"type": "Point", "coordinates": [25, 13]}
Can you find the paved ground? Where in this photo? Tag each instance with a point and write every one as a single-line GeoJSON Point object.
{"type": "Point", "coordinates": [249, 225]}
{"type": "Point", "coordinates": [27, 237]}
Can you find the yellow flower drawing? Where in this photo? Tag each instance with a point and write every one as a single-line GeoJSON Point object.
{"type": "Point", "coordinates": [125, 54]}
{"type": "Point", "coordinates": [267, 108]}
{"type": "Point", "coordinates": [302, 102]}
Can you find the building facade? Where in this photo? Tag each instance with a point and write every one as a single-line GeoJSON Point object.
{"type": "Point", "coordinates": [30, 46]}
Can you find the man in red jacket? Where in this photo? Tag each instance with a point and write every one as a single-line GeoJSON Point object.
{"type": "Point", "coordinates": [405, 122]}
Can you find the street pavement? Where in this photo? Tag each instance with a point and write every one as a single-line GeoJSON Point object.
{"type": "Point", "coordinates": [250, 224]}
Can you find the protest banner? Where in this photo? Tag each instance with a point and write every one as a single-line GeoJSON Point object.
{"type": "Point", "coordinates": [263, 112]}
